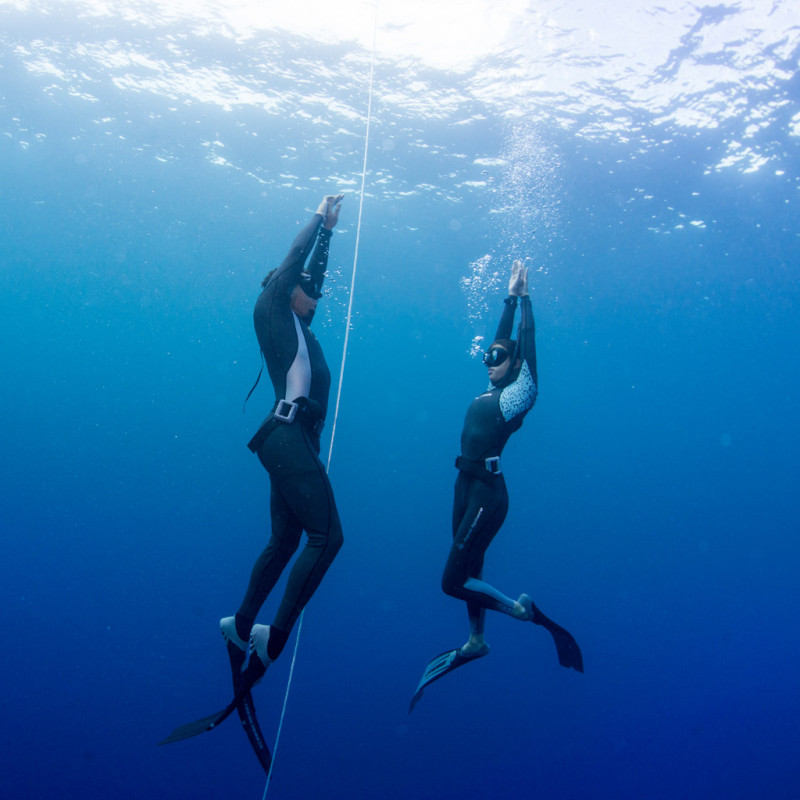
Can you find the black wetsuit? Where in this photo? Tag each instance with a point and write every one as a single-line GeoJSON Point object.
{"type": "Point", "coordinates": [481, 498]}
{"type": "Point", "coordinates": [301, 495]}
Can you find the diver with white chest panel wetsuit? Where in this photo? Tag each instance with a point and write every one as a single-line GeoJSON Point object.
{"type": "Point", "coordinates": [287, 445]}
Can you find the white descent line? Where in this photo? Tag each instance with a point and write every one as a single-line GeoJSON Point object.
{"type": "Point", "coordinates": [341, 378]}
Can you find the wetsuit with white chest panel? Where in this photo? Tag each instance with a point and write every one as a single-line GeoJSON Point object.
{"type": "Point", "coordinates": [292, 353]}
{"type": "Point", "coordinates": [301, 496]}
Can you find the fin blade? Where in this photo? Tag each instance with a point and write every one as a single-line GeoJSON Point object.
{"type": "Point", "coordinates": [567, 650]}
{"type": "Point", "coordinates": [247, 715]}
{"type": "Point", "coordinates": [437, 668]}
{"type": "Point", "coordinates": [569, 654]}
{"type": "Point", "coordinates": [199, 726]}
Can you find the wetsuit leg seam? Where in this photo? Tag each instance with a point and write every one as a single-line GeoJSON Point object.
{"type": "Point", "coordinates": [320, 561]}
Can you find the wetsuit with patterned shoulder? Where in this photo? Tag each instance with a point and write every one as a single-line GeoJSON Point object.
{"type": "Point", "coordinates": [287, 444]}
{"type": "Point", "coordinates": [481, 499]}
{"type": "Point", "coordinates": [480, 504]}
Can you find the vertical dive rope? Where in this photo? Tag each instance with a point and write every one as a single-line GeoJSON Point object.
{"type": "Point", "coordinates": [341, 378]}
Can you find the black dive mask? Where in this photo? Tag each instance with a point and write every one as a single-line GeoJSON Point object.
{"type": "Point", "coordinates": [495, 356]}
{"type": "Point", "coordinates": [309, 286]}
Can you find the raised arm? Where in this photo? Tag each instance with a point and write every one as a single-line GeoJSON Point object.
{"type": "Point", "coordinates": [526, 338]}
{"type": "Point", "coordinates": [288, 274]}
{"type": "Point", "coordinates": [526, 334]}
{"type": "Point", "coordinates": [519, 396]}
{"type": "Point", "coordinates": [329, 207]}
{"type": "Point", "coordinates": [505, 327]}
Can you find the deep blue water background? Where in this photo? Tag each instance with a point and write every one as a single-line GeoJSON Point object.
{"type": "Point", "coordinates": [654, 506]}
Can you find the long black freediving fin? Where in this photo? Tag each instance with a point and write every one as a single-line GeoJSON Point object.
{"type": "Point", "coordinates": [199, 726]}
{"type": "Point", "coordinates": [241, 698]}
{"type": "Point", "coordinates": [569, 654]}
{"type": "Point", "coordinates": [246, 708]}
{"type": "Point", "coordinates": [247, 715]}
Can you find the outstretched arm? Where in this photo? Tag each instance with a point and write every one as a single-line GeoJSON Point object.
{"type": "Point", "coordinates": [329, 210]}
{"type": "Point", "coordinates": [518, 280]}
{"type": "Point", "coordinates": [526, 335]}
{"type": "Point", "coordinates": [526, 338]}
{"type": "Point", "coordinates": [287, 275]}
{"type": "Point", "coordinates": [520, 395]}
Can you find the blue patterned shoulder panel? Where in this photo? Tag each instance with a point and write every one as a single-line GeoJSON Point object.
{"type": "Point", "coordinates": [518, 397]}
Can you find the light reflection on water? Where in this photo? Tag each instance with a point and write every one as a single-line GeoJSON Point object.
{"type": "Point", "coordinates": [629, 72]}
{"type": "Point", "coordinates": [277, 94]}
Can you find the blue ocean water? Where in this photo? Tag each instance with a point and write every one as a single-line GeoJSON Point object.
{"type": "Point", "coordinates": [156, 160]}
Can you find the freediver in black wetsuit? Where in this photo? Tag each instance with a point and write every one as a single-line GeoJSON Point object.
{"type": "Point", "coordinates": [287, 444]}
{"type": "Point", "coordinates": [481, 499]}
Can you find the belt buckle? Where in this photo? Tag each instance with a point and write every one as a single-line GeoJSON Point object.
{"type": "Point", "coordinates": [285, 411]}
{"type": "Point", "coordinates": [493, 465]}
